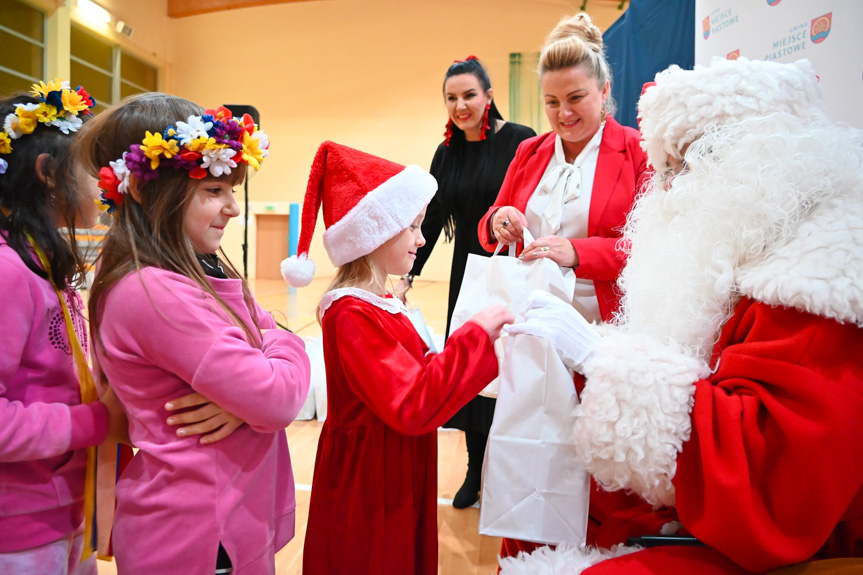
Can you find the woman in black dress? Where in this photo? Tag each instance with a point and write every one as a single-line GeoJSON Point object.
{"type": "Point", "coordinates": [469, 165]}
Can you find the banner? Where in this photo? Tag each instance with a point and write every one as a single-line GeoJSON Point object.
{"type": "Point", "coordinates": [826, 32]}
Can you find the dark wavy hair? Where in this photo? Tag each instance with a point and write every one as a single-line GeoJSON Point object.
{"type": "Point", "coordinates": [454, 173]}
{"type": "Point", "coordinates": [33, 207]}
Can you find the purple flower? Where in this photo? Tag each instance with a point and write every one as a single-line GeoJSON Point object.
{"type": "Point", "coordinates": [139, 164]}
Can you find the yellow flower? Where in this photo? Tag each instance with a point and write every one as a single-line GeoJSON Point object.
{"type": "Point", "coordinates": [5, 143]}
{"type": "Point", "coordinates": [73, 102]}
{"type": "Point", "coordinates": [42, 89]}
{"type": "Point", "coordinates": [154, 146]}
{"type": "Point", "coordinates": [26, 120]}
{"type": "Point", "coordinates": [252, 152]}
{"type": "Point", "coordinates": [46, 113]}
{"type": "Point", "coordinates": [213, 145]}
{"type": "Point", "coordinates": [197, 145]}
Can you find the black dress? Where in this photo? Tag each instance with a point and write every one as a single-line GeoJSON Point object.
{"type": "Point", "coordinates": [471, 201]}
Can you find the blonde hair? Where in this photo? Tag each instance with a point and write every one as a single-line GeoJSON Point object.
{"type": "Point", "coordinates": [577, 42]}
{"type": "Point", "coordinates": [360, 272]}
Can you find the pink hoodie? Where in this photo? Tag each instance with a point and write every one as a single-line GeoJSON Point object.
{"type": "Point", "coordinates": [43, 426]}
{"type": "Point", "coordinates": [162, 337]}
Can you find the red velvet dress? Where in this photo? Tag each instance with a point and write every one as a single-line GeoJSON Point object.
{"type": "Point", "coordinates": [374, 494]}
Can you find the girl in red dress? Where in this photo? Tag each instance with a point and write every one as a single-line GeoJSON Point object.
{"type": "Point", "coordinates": [373, 506]}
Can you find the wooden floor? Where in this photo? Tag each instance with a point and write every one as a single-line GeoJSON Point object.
{"type": "Point", "coordinates": [462, 551]}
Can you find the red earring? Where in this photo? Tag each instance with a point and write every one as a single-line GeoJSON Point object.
{"type": "Point", "coordinates": [448, 134]}
{"type": "Point", "coordinates": [484, 128]}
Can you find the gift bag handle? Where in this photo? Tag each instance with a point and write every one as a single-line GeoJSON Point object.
{"type": "Point", "coordinates": [527, 239]}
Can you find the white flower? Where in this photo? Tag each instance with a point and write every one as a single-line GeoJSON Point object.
{"type": "Point", "coordinates": [122, 173]}
{"type": "Point", "coordinates": [3, 165]}
{"type": "Point", "coordinates": [219, 161]}
{"type": "Point", "coordinates": [195, 128]}
{"type": "Point", "coordinates": [11, 126]}
{"type": "Point", "coordinates": [263, 142]}
{"type": "Point", "coordinates": [67, 124]}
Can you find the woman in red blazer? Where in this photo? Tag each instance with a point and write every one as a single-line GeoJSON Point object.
{"type": "Point", "coordinates": [572, 188]}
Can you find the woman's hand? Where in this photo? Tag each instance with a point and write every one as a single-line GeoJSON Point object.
{"type": "Point", "coordinates": [507, 225]}
{"type": "Point", "coordinates": [118, 424]}
{"type": "Point", "coordinates": [557, 249]}
{"type": "Point", "coordinates": [492, 319]}
{"type": "Point", "coordinates": [208, 420]}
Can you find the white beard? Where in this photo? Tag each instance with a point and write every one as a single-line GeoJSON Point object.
{"type": "Point", "coordinates": [746, 190]}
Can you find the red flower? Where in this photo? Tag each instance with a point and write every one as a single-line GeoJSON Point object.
{"type": "Point", "coordinates": [248, 124]}
{"type": "Point", "coordinates": [190, 156]}
{"type": "Point", "coordinates": [221, 113]}
{"type": "Point", "coordinates": [108, 180]}
{"type": "Point", "coordinates": [87, 98]}
{"type": "Point", "coordinates": [198, 173]}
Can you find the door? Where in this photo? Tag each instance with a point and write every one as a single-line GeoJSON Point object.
{"type": "Point", "coordinates": [271, 244]}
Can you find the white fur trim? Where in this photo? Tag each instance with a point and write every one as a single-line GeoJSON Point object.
{"type": "Point", "coordinates": [683, 103]}
{"type": "Point", "coordinates": [380, 215]}
{"type": "Point", "coordinates": [634, 413]}
{"type": "Point", "coordinates": [565, 559]}
{"type": "Point", "coordinates": [818, 270]}
{"type": "Point", "coordinates": [298, 271]}
{"type": "Point", "coordinates": [391, 305]}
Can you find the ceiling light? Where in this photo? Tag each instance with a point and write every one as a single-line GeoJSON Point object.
{"type": "Point", "coordinates": [93, 11]}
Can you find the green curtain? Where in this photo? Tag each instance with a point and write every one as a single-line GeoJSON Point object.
{"type": "Point", "coordinates": [525, 101]}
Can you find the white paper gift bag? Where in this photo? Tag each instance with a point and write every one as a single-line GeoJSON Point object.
{"type": "Point", "coordinates": [507, 281]}
{"type": "Point", "coordinates": [534, 487]}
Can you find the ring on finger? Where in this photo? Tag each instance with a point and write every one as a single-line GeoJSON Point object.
{"type": "Point", "coordinates": [499, 230]}
{"type": "Point", "coordinates": [544, 249]}
{"type": "Point", "coordinates": [505, 223]}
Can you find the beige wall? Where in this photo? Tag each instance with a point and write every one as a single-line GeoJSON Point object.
{"type": "Point", "coordinates": [364, 73]}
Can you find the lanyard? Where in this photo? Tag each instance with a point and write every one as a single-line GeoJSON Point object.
{"type": "Point", "coordinates": [88, 395]}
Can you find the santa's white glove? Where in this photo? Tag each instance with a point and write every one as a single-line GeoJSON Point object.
{"type": "Point", "coordinates": [551, 318]}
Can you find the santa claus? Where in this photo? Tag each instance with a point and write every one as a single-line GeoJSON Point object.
{"type": "Point", "coordinates": [731, 386]}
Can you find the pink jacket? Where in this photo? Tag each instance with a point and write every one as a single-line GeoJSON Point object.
{"type": "Point", "coordinates": [43, 426]}
{"type": "Point", "coordinates": [162, 337]}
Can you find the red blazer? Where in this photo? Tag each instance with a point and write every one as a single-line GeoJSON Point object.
{"type": "Point", "coordinates": [620, 170]}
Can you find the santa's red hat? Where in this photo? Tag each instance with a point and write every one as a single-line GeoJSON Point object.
{"type": "Point", "coordinates": [366, 201]}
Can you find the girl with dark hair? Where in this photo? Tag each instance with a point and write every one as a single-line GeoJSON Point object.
{"type": "Point", "coordinates": [171, 317]}
{"type": "Point", "coordinates": [49, 413]}
{"type": "Point", "coordinates": [469, 165]}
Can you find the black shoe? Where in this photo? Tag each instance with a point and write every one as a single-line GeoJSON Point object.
{"type": "Point", "coordinates": [467, 495]}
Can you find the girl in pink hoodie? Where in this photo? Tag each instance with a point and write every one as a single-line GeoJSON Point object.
{"type": "Point", "coordinates": [171, 317]}
{"type": "Point", "coordinates": [45, 427]}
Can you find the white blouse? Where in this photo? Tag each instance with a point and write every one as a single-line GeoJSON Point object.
{"type": "Point", "coordinates": [560, 206]}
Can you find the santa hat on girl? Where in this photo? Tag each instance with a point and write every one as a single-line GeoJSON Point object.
{"type": "Point", "coordinates": [366, 201]}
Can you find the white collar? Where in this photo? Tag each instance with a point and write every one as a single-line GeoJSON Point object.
{"type": "Point", "coordinates": [392, 305]}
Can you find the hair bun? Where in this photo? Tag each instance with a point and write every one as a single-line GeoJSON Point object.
{"type": "Point", "coordinates": [579, 26]}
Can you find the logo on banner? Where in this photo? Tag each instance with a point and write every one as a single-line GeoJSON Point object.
{"type": "Point", "coordinates": [718, 20]}
{"type": "Point", "coordinates": [773, 2]}
{"type": "Point", "coordinates": [733, 55]}
{"type": "Point", "coordinates": [789, 44]}
{"type": "Point", "coordinates": [820, 28]}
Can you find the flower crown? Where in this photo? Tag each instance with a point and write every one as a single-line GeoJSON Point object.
{"type": "Point", "coordinates": [214, 143]}
{"type": "Point", "coordinates": [59, 107]}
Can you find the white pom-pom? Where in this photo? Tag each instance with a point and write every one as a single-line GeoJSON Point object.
{"type": "Point", "coordinates": [298, 271]}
